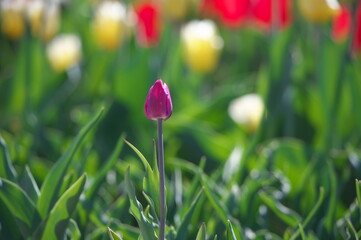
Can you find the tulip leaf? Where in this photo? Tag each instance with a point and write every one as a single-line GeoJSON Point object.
{"type": "Point", "coordinates": [27, 182]}
{"type": "Point", "coordinates": [182, 230]}
{"type": "Point", "coordinates": [59, 216]}
{"type": "Point", "coordinates": [74, 230]}
{"type": "Point", "coordinates": [53, 181]}
{"type": "Point", "coordinates": [113, 235]}
{"type": "Point", "coordinates": [150, 180]}
{"type": "Point", "coordinates": [140, 155]}
{"type": "Point", "coordinates": [202, 233]}
{"type": "Point", "coordinates": [20, 205]}
{"type": "Point", "coordinates": [9, 226]}
{"type": "Point", "coordinates": [7, 170]}
{"type": "Point", "coordinates": [136, 209]}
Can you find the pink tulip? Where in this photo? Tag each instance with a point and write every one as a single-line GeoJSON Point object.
{"type": "Point", "coordinates": [158, 105]}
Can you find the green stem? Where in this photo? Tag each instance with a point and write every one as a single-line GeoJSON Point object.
{"type": "Point", "coordinates": [161, 180]}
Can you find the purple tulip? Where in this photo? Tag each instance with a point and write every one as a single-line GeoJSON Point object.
{"type": "Point", "coordinates": [158, 105]}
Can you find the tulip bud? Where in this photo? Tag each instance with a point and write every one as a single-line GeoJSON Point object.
{"type": "Point", "coordinates": [319, 11]}
{"type": "Point", "coordinates": [247, 111]}
{"type": "Point", "coordinates": [43, 18]}
{"type": "Point", "coordinates": [158, 105]}
{"type": "Point", "coordinates": [12, 20]}
{"type": "Point", "coordinates": [64, 52]}
{"type": "Point", "coordinates": [175, 9]}
{"type": "Point", "coordinates": [109, 24]}
{"type": "Point", "coordinates": [201, 45]}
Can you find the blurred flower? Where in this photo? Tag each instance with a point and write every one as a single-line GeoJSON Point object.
{"type": "Point", "coordinates": [356, 42]}
{"type": "Point", "coordinates": [12, 20]}
{"type": "Point", "coordinates": [44, 18]}
{"type": "Point", "coordinates": [148, 23]}
{"type": "Point", "coordinates": [109, 26]}
{"type": "Point", "coordinates": [319, 11]}
{"type": "Point", "coordinates": [175, 9]}
{"type": "Point", "coordinates": [201, 45]}
{"type": "Point", "coordinates": [64, 51]}
{"type": "Point", "coordinates": [268, 12]}
{"type": "Point", "coordinates": [247, 111]}
{"type": "Point", "coordinates": [232, 13]}
{"type": "Point", "coordinates": [158, 104]}
{"type": "Point", "coordinates": [341, 25]}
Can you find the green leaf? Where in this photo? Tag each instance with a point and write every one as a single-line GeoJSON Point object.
{"type": "Point", "coordinates": [99, 178]}
{"type": "Point", "coordinates": [358, 193]}
{"type": "Point", "coordinates": [7, 170]}
{"type": "Point", "coordinates": [9, 226]}
{"type": "Point", "coordinates": [59, 217]}
{"type": "Point", "coordinates": [183, 228]}
{"type": "Point", "coordinates": [213, 199]}
{"type": "Point", "coordinates": [140, 155]}
{"type": "Point", "coordinates": [309, 216]}
{"type": "Point", "coordinates": [230, 232]}
{"type": "Point", "coordinates": [302, 232]}
{"type": "Point", "coordinates": [53, 181]}
{"type": "Point", "coordinates": [287, 215]}
{"type": "Point", "coordinates": [202, 233]}
{"type": "Point", "coordinates": [113, 235]}
{"type": "Point", "coordinates": [20, 205]}
{"type": "Point", "coordinates": [136, 209]}
{"type": "Point", "coordinates": [150, 180]}
{"type": "Point", "coordinates": [28, 183]}
{"type": "Point", "coordinates": [74, 230]}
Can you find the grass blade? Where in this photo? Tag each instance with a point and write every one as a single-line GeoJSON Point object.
{"type": "Point", "coordinates": [202, 233]}
{"type": "Point", "coordinates": [53, 181]}
{"type": "Point", "coordinates": [113, 235]}
{"type": "Point", "coordinates": [230, 232]}
{"type": "Point", "coordinates": [285, 214]}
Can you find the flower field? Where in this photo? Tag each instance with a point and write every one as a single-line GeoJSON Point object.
{"type": "Point", "coordinates": [180, 119]}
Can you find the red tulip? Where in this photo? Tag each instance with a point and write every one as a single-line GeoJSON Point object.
{"type": "Point", "coordinates": [341, 25]}
{"type": "Point", "coordinates": [158, 105]}
{"type": "Point", "coordinates": [148, 28]}
{"type": "Point", "coordinates": [231, 13]}
{"type": "Point", "coordinates": [268, 12]}
{"type": "Point", "coordinates": [356, 43]}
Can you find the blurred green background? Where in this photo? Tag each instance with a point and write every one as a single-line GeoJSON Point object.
{"type": "Point", "coordinates": [305, 135]}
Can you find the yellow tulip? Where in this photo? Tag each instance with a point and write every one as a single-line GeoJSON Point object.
{"type": "Point", "coordinates": [12, 20]}
{"type": "Point", "coordinates": [247, 111]}
{"type": "Point", "coordinates": [109, 26]}
{"type": "Point", "coordinates": [201, 45]}
{"type": "Point", "coordinates": [319, 11]}
{"type": "Point", "coordinates": [175, 9]}
{"type": "Point", "coordinates": [43, 18]}
{"type": "Point", "coordinates": [64, 51]}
